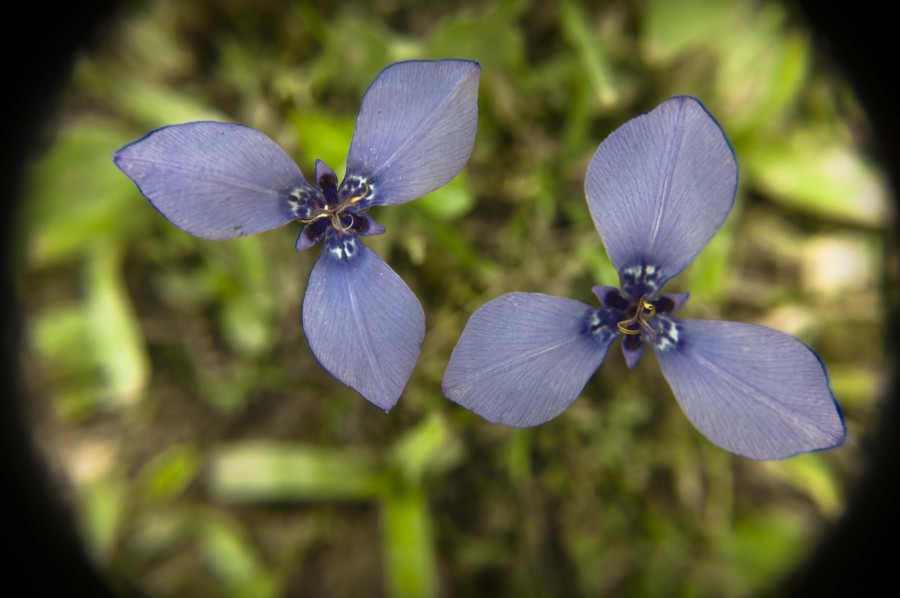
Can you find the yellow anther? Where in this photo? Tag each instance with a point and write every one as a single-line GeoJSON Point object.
{"type": "Point", "coordinates": [643, 313]}
{"type": "Point", "coordinates": [314, 218]}
{"type": "Point", "coordinates": [622, 327]}
{"type": "Point", "coordinates": [365, 192]}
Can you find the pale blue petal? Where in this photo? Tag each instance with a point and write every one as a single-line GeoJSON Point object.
{"type": "Point", "coordinates": [367, 227]}
{"type": "Point", "coordinates": [362, 322]}
{"type": "Point", "coordinates": [632, 350]}
{"type": "Point", "coordinates": [307, 237]}
{"type": "Point", "coordinates": [216, 180]}
{"type": "Point", "coordinates": [658, 189]}
{"type": "Point", "coordinates": [523, 358]}
{"type": "Point", "coordinates": [751, 390]}
{"type": "Point", "coordinates": [415, 129]}
{"type": "Point", "coordinates": [672, 301]}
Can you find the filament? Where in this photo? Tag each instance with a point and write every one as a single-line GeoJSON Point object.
{"type": "Point", "coordinates": [643, 312]}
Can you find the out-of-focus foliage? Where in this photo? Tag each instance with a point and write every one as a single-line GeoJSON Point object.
{"type": "Point", "coordinates": [205, 451]}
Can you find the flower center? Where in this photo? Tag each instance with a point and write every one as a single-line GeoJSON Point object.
{"type": "Point", "coordinates": [341, 219]}
{"type": "Point", "coordinates": [335, 209]}
{"type": "Point", "coordinates": [642, 312]}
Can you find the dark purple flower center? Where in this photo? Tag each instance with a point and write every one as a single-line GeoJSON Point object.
{"type": "Point", "coordinates": [632, 316]}
{"type": "Point", "coordinates": [327, 208]}
{"type": "Point", "coordinates": [641, 312]}
{"type": "Point", "coordinates": [342, 210]}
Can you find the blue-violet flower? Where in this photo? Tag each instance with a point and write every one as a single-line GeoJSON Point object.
{"type": "Point", "coordinates": [414, 133]}
{"type": "Point", "coordinates": [658, 188]}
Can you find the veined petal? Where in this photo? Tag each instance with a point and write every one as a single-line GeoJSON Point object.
{"type": "Point", "coordinates": [659, 187]}
{"type": "Point", "coordinates": [310, 234]}
{"type": "Point", "coordinates": [523, 358]}
{"type": "Point", "coordinates": [415, 129]}
{"type": "Point", "coordinates": [632, 350]}
{"type": "Point", "coordinates": [751, 390]}
{"type": "Point", "coordinates": [362, 322]}
{"type": "Point", "coordinates": [216, 180]}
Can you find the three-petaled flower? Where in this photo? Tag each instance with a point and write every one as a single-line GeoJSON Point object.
{"type": "Point", "coordinates": [658, 188]}
{"type": "Point", "coordinates": [414, 133]}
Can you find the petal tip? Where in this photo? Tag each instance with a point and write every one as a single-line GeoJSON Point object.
{"type": "Point", "coordinates": [362, 323]}
{"type": "Point", "coordinates": [385, 403]}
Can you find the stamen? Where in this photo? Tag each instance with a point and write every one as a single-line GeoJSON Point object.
{"type": "Point", "coordinates": [645, 325]}
{"type": "Point", "coordinates": [640, 318]}
{"type": "Point", "coordinates": [363, 193]}
{"type": "Point", "coordinates": [622, 327]}
{"type": "Point", "coordinates": [316, 217]}
{"type": "Point", "coordinates": [336, 212]}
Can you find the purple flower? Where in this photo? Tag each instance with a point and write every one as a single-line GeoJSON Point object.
{"type": "Point", "coordinates": [658, 189]}
{"type": "Point", "coordinates": [414, 133]}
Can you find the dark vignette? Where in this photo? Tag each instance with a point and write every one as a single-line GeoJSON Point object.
{"type": "Point", "coordinates": [857, 41]}
{"type": "Point", "coordinates": [43, 555]}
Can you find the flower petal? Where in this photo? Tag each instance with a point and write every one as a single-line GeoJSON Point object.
{"type": "Point", "coordinates": [416, 128]}
{"type": "Point", "coordinates": [523, 358]}
{"type": "Point", "coordinates": [362, 322]}
{"type": "Point", "coordinates": [658, 189]}
{"type": "Point", "coordinates": [216, 180]}
{"type": "Point", "coordinates": [751, 390]}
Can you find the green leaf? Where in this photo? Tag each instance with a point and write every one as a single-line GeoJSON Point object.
{"type": "Point", "coordinates": [812, 475]}
{"type": "Point", "coordinates": [59, 334]}
{"type": "Point", "coordinates": [157, 105]}
{"type": "Point", "coordinates": [812, 172]}
{"type": "Point", "coordinates": [491, 36]}
{"type": "Point", "coordinates": [271, 471]}
{"type": "Point", "coordinates": [167, 475]}
{"type": "Point", "coordinates": [324, 137]}
{"type": "Point", "coordinates": [671, 28]}
{"type": "Point", "coordinates": [77, 197]}
{"type": "Point", "coordinates": [233, 559]}
{"type": "Point", "coordinates": [450, 201]}
{"type": "Point", "coordinates": [707, 277]}
{"type": "Point", "coordinates": [113, 331]}
{"type": "Point", "coordinates": [759, 83]}
{"type": "Point", "coordinates": [103, 508]}
{"type": "Point", "coordinates": [428, 447]}
{"type": "Point", "coordinates": [761, 548]}
{"type": "Point", "coordinates": [95, 350]}
{"type": "Point", "coordinates": [408, 545]}
{"type": "Point", "coordinates": [590, 52]}
{"type": "Point", "coordinates": [248, 314]}
{"type": "Point", "coordinates": [160, 532]}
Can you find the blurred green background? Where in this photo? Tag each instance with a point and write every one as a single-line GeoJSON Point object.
{"type": "Point", "coordinates": [203, 450]}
